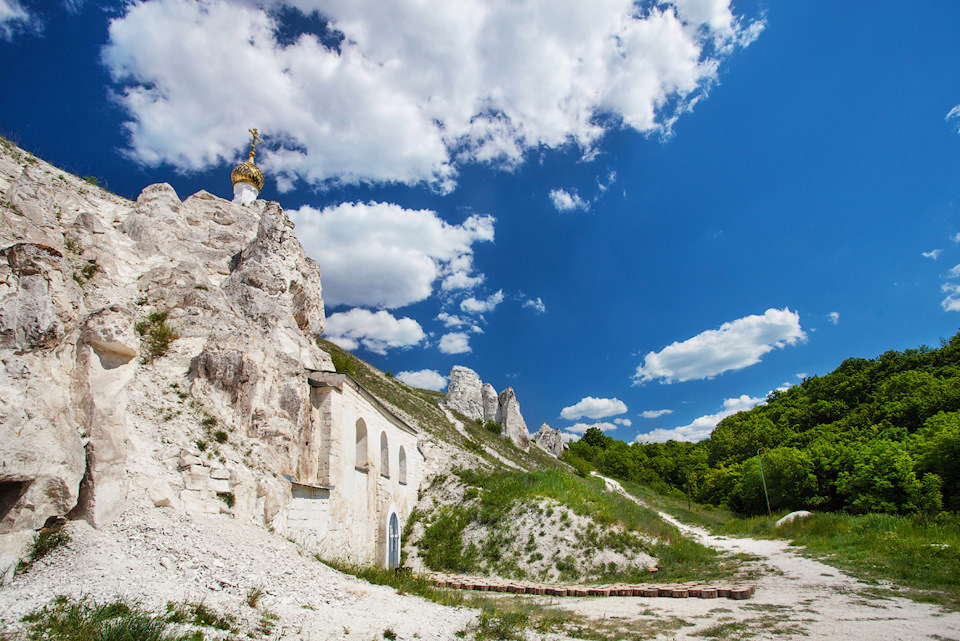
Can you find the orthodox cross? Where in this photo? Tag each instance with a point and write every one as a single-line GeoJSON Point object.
{"type": "Point", "coordinates": [253, 143]}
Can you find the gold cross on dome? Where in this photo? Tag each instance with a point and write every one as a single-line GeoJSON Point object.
{"type": "Point", "coordinates": [253, 143]}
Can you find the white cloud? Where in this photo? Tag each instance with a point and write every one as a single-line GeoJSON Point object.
{"type": "Point", "coordinates": [954, 272]}
{"type": "Point", "coordinates": [954, 115]}
{"type": "Point", "coordinates": [737, 344]}
{"type": "Point", "coordinates": [565, 201]}
{"type": "Point", "coordinates": [14, 18]}
{"type": "Point", "coordinates": [625, 422]}
{"type": "Point", "coordinates": [537, 305]}
{"type": "Point", "coordinates": [455, 343]}
{"type": "Point", "coordinates": [701, 427]}
{"type": "Point", "coordinates": [655, 413]}
{"type": "Point", "coordinates": [802, 375]}
{"type": "Point", "coordinates": [952, 302]}
{"type": "Point", "coordinates": [475, 306]}
{"type": "Point", "coordinates": [424, 379]}
{"type": "Point", "coordinates": [591, 407]}
{"type": "Point", "coordinates": [934, 254]}
{"type": "Point", "coordinates": [382, 255]}
{"type": "Point", "coordinates": [376, 332]}
{"type": "Point", "coordinates": [606, 184]}
{"type": "Point", "coordinates": [417, 87]}
{"type": "Point", "coordinates": [450, 320]}
{"type": "Point", "coordinates": [581, 428]}
{"type": "Point", "coordinates": [834, 317]}
{"type": "Point", "coordinates": [956, 237]}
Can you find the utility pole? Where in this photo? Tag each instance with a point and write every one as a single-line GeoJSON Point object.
{"type": "Point", "coordinates": [759, 452]}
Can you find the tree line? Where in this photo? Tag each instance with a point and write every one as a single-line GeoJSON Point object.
{"type": "Point", "coordinates": [874, 435]}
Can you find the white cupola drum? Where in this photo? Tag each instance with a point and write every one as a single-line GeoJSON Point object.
{"type": "Point", "coordinates": [247, 177]}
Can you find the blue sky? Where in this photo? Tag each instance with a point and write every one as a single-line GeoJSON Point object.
{"type": "Point", "coordinates": [643, 216]}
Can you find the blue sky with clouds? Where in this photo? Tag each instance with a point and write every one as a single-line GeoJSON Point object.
{"type": "Point", "coordinates": [642, 216]}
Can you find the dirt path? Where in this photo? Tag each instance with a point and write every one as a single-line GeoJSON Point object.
{"type": "Point", "coordinates": [796, 597]}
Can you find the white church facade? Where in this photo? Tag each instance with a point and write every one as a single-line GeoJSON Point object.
{"type": "Point", "coordinates": [358, 478]}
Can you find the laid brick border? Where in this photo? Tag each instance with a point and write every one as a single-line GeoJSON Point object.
{"type": "Point", "coordinates": [673, 590]}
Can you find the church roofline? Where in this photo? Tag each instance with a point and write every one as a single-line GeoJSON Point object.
{"type": "Point", "coordinates": [337, 379]}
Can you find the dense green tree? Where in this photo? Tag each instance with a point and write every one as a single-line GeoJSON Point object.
{"type": "Point", "coordinates": [880, 478]}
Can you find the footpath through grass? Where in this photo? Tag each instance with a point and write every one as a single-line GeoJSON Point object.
{"type": "Point", "coordinates": [918, 553]}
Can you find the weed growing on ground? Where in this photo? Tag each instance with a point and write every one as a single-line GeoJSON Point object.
{"type": "Point", "coordinates": [44, 543]}
{"type": "Point", "coordinates": [85, 620]}
{"type": "Point", "coordinates": [254, 595]}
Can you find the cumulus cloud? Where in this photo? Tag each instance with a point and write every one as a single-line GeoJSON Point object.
{"type": "Point", "coordinates": [564, 201]}
{"type": "Point", "coordinates": [455, 343]}
{"type": "Point", "coordinates": [424, 379]}
{"type": "Point", "coordinates": [537, 305]}
{"type": "Point", "coordinates": [834, 317]}
{"type": "Point", "coordinates": [591, 407]}
{"type": "Point", "coordinates": [956, 237]}
{"type": "Point", "coordinates": [382, 255]}
{"type": "Point", "coordinates": [415, 88]}
{"type": "Point", "coordinates": [655, 413]}
{"type": "Point", "coordinates": [476, 306]}
{"type": "Point", "coordinates": [954, 271]}
{"type": "Point", "coordinates": [581, 428]}
{"type": "Point", "coordinates": [737, 344]}
{"type": "Point", "coordinates": [934, 254]}
{"type": "Point", "coordinates": [952, 302]}
{"type": "Point", "coordinates": [625, 422]}
{"type": "Point", "coordinates": [701, 427]}
{"type": "Point", "coordinates": [375, 331]}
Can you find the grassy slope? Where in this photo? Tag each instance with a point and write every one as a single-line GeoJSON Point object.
{"type": "Point", "coordinates": [494, 495]}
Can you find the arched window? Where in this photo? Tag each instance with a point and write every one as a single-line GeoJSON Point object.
{"type": "Point", "coordinates": [384, 455]}
{"type": "Point", "coordinates": [403, 466]}
{"type": "Point", "coordinates": [361, 459]}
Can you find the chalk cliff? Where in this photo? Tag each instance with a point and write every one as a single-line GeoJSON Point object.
{"type": "Point", "coordinates": [131, 329]}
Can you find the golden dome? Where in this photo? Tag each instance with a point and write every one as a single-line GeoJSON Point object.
{"type": "Point", "coordinates": [248, 172]}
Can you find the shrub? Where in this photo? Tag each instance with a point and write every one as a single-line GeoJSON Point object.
{"type": "Point", "coordinates": [220, 436]}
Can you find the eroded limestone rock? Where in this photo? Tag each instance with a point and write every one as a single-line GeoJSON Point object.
{"type": "Point", "coordinates": [464, 392]}
{"type": "Point", "coordinates": [550, 440]}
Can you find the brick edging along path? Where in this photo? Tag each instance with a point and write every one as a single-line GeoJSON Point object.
{"type": "Point", "coordinates": [673, 590]}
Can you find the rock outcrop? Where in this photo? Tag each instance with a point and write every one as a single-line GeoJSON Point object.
{"type": "Point", "coordinates": [464, 392]}
{"type": "Point", "coordinates": [479, 401]}
{"type": "Point", "coordinates": [491, 402]}
{"type": "Point", "coordinates": [509, 416]}
{"type": "Point", "coordinates": [135, 336]}
{"type": "Point", "coordinates": [550, 440]}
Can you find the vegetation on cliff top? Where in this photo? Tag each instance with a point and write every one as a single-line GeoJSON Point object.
{"type": "Point", "coordinates": [874, 435]}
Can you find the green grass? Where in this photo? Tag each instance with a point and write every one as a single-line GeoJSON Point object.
{"type": "Point", "coordinates": [919, 553]}
{"type": "Point", "coordinates": [423, 407]}
{"type": "Point", "coordinates": [86, 620]}
{"type": "Point", "coordinates": [403, 581]}
{"type": "Point", "coordinates": [44, 543]}
{"type": "Point", "coordinates": [157, 334]}
{"type": "Point", "coordinates": [619, 524]}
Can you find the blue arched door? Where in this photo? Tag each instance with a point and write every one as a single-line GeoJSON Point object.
{"type": "Point", "coordinates": [393, 542]}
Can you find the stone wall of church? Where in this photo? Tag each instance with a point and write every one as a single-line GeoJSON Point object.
{"type": "Point", "coordinates": [371, 460]}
